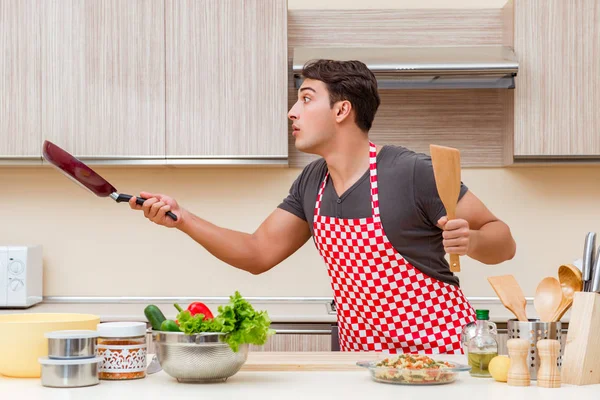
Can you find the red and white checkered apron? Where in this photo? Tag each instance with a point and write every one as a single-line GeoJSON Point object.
{"type": "Point", "coordinates": [383, 302]}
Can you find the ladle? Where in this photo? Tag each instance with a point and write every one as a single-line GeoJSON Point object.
{"type": "Point", "coordinates": [571, 281]}
{"type": "Point", "coordinates": [548, 297]}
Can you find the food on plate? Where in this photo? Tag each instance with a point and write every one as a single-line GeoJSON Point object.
{"type": "Point", "coordinates": [498, 368]}
{"type": "Point", "coordinates": [155, 316]}
{"type": "Point", "coordinates": [238, 320]}
{"type": "Point", "coordinates": [413, 361]}
{"type": "Point", "coordinates": [414, 369]}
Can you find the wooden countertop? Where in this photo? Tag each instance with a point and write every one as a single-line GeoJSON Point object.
{"type": "Point", "coordinates": [319, 361]}
{"type": "Point", "coordinates": [306, 361]}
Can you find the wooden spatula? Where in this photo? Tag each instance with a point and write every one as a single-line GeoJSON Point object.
{"type": "Point", "coordinates": [508, 290]}
{"type": "Point", "coordinates": [446, 170]}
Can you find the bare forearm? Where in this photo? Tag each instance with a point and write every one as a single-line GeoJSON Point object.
{"type": "Point", "coordinates": [492, 244]}
{"type": "Point", "coordinates": [238, 249]}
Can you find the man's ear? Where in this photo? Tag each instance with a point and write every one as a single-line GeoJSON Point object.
{"type": "Point", "coordinates": [342, 110]}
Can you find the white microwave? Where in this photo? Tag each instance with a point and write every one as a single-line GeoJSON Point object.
{"type": "Point", "coordinates": [21, 276]}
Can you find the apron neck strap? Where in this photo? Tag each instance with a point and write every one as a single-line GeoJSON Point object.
{"type": "Point", "coordinates": [372, 182]}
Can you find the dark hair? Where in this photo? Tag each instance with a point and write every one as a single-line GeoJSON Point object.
{"type": "Point", "coordinates": [348, 80]}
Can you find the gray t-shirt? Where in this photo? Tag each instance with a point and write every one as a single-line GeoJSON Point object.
{"type": "Point", "coordinates": [408, 202]}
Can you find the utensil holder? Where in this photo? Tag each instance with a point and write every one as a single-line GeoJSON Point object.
{"type": "Point", "coordinates": [533, 331]}
{"type": "Point", "coordinates": [582, 350]}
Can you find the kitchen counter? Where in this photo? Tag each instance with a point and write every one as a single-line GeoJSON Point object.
{"type": "Point", "coordinates": [286, 311]}
{"type": "Point", "coordinates": [272, 375]}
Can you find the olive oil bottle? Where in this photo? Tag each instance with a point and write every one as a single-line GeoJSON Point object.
{"type": "Point", "coordinates": [482, 347]}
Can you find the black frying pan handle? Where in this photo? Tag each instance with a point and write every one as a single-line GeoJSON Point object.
{"type": "Point", "coordinates": [122, 198]}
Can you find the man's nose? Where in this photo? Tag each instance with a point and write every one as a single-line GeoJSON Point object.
{"type": "Point", "coordinates": [293, 114]}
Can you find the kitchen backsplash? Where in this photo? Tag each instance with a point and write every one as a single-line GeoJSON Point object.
{"type": "Point", "coordinates": [95, 247]}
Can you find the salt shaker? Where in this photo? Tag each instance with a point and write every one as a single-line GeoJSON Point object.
{"type": "Point", "coordinates": [548, 375]}
{"type": "Point", "coordinates": [518, 373]}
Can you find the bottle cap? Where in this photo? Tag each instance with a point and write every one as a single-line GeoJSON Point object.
{"type": "Point", "coordinates": [482, 314]}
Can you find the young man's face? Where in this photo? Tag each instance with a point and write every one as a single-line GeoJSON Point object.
{"type": "Point", "coordinates": [313, 120]}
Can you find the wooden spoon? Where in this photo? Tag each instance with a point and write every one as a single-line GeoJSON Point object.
{"type": "Point", "coordinates": [548, 297]}
{"type": "Point", "coordinates": [446, 170]}
{"type": "Point", "coordinates": [571, 281]}
{"type": "Point", "coordinates": [508, 290]}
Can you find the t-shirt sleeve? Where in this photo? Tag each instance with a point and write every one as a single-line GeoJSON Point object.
{"type": "Point", "coordinates": [294, 202]}
{"type": "Point", "coordinates": [427, 198]}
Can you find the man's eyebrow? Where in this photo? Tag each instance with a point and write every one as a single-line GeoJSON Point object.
{"type": "Point", "coordinates": [308, 88]}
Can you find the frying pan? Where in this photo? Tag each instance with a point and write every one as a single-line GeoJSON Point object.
{"type": "Point", "coordinates": [84, 176]}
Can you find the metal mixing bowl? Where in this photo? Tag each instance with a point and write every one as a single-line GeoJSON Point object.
{"type": "Point", "coordinates": [197, 358]}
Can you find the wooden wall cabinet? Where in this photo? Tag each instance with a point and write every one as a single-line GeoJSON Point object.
{"type": "Point", "coordinates": [20, 109]}
{"type": "Point", "coordinates": [124, 80]}
{"type": "Point", "coordinates": [226, 78]}
{"type": "Point", "coordinates": [557, 103]}
{"type": "Point", "coordinates": [103, 85]}
{"type": "Point", "coordinates": [196, 80]}
{"type": "Point", "coordinates": [477, 121]}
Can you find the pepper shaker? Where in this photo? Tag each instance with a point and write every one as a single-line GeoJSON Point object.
{"type": "Point", "coordinates": [548, 375]}
{"type": "Point", "coordinates": [518, 372]}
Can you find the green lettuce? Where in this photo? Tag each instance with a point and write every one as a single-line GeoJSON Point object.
{"type": "Point", "coordinates": [238, 319]}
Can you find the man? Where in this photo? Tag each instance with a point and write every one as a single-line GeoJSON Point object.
{"type": "Point", "coordinates": [376, 219]}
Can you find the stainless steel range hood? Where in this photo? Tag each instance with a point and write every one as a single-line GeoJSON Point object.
{"type": "Point", "coordinates": [479, 67]}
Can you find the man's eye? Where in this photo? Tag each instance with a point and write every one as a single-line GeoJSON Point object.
{"type": "Point", "coordinates": [306, 99]}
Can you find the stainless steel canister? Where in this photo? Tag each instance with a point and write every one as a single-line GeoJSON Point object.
{"type": "Point", "coordinates": [69, 373]}
{"type": "Point", "coordinates": [533, 331]}
{"type": "Point", "coordinates": [72, 344]}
